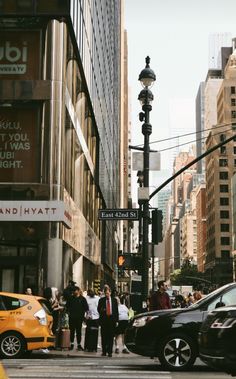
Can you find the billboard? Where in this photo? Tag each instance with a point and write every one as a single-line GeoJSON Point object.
{"type": "Point", "coordinates": [19, 55]}
{"type": "Point", "coordinates": [19, 144]}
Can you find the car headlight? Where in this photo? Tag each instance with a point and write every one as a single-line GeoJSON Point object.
{"type": "Point", "coordinates": [141, 321]}
{"type": "Point", "coordinates": [226, 323]}
{"type": "Point", "coordinates": [41, 317]}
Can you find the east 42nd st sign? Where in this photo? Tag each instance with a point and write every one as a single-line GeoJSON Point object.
{"type": "Point", "coordinates": [118, 214]}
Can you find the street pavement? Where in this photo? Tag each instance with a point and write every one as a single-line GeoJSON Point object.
{"type": "Point", "coordinates": [73, 364]}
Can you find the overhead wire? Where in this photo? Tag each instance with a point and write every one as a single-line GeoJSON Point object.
{"type": "Point", "coordinates": [187, 143]}
{"type": "Point", "coordinates": [186, 134]}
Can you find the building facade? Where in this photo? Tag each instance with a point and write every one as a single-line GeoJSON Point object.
{"type": "Point", "coordinates": [60, 141]}
{"type": "Point", "coordinates": [221, 166]}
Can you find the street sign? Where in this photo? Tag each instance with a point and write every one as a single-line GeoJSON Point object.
{"type": "Point", "coordinates": [118, 214]}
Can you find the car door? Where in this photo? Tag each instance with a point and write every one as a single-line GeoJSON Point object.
{"type": "Point", "coordinates": [4, 316]}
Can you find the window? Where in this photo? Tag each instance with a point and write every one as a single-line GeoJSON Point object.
{"type": "Point", "coordinates": [223, 175]}
{"type": "Point", "coordinates": [2, 306]}
{"type": "Point", "coordinates": [234, 162]}
{"type": "Point", "coordinates": [232, 90]}
{"type": "Point", "coordinates": [233, 102]}
{"type": "Point", "coordinates": [224, 188]}
{"type": "Point", "coordinates": [224, 201]}
{"type": "Point", "coordinates": [228, 298]}
{"type": "Point", "coordinates": [223, 162]}
{"type": "Point", "coordinates": [222, 137]}
{"type": "Point", "coordinates": [233, 114]}
{"type": "Point", "coordinates": [224, 214]}
{"type": "Point", "coordinates": [224, 227]}
{"type": "Point", "coordinates": [234, 149]}
{"type": "Point", "coordinates": [223, 150]}
{"type": "Point", "coordinates": [12, 303]}
{"type": "Point", "coordinates": [225, 241]}
{"type": "Point", "coordinates": [225, 254]}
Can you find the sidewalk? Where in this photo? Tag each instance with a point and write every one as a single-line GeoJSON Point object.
{"type": "Point", "coordinates": [77, 354]}
{"type": "Point", "coordinates": [57, 353]}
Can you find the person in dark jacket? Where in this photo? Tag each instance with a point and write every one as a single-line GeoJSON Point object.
{"type": "Point", "coordinates": [160, 299]}
{"type": "Point", "coordinates": [108, 318]}
{"type": "Point", "coordinates": [77, 308]}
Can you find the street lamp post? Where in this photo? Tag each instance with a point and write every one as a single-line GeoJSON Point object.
{"type": "Point", "coordinates": [146, 77]}
{"type": "Point", "coordinates": [140, 225]}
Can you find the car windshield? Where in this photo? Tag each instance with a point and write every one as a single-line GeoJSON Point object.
{"type": "Point", "coordinates": [209, 296]}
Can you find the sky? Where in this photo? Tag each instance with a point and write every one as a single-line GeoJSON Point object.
{"type": "Point", "coordinates": [174, 33]}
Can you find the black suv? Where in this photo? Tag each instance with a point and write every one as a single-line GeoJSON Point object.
{"type": "Point", "coordinates": [172, 334]}
{"type": "Point", "coordinates": [217, 339]}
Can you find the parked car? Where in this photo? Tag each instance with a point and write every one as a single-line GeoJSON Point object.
{"type": "Point", "coordinates": [172, 334]}
{"type": "Point", "coordinates": [217, 339]}
{"type": "Point", "coordinates": [25, 324]}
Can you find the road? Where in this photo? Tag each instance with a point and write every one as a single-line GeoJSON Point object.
{"type": "Point", "coordinates": [85, 366]}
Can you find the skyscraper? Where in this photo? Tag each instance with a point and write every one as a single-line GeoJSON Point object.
{"type": "Point", "coordinates": [60, 112]}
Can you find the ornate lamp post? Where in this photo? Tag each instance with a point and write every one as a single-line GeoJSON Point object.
{"type": "Point", "coordinates": [147, 78]}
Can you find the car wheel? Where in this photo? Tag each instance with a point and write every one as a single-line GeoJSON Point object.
{"type": "Point", "coordinates": [12, 345]}
{"type": "Point", "coordinates": [177, 352]}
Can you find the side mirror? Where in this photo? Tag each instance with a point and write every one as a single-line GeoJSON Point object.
{"type": "Point", "coordinates": [220, 304]}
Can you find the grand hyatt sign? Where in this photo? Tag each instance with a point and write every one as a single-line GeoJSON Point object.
{"type": "Point", "coordinates": [35, 211]}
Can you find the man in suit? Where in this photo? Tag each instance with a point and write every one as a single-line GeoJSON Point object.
{"type": "Point", "coordinates": [108, 318]}
{"type": "Point", "coordinates": [77, 308]}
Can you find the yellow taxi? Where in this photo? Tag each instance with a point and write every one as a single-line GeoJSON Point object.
{"type": "Point", "coordinates": [25, 324]}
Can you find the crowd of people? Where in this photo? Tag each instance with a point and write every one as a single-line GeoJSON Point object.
{"type": "Point", "coordinates": [160, 299]}
{"type": "Point", "coordinates": [108, 312]}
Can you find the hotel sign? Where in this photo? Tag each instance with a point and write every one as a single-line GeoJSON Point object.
{"type": "Point", "coordinates": [54, 210]}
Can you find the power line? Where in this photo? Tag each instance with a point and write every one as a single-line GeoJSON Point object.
{"type": "Point", "coordinates": [187, 143]}
{"type": "Point", "coordinates": [187, 134]}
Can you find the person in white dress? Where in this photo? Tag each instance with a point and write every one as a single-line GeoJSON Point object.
{"type": "Point", "coordinates": [122, 325]}
{"type": "Point", "coordinates": [92, 322]}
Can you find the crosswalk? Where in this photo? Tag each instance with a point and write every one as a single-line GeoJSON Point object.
{"type": "Point", "coordinates": [98, 368]}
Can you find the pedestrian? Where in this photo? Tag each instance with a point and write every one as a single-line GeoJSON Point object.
{"type": "Point", "coordinates": [108, 318]}
{"type": "Point", "coordinates": [56, 309]}
{"type": "Point", "coordinates": [122, 325]}
{"type": "Point", "coordinates": [68, 291]}
{"type": "Point", "coordinates": [28, 291]}
{"type": "Point", "coordinates": [197, 296]}
{"type": "Point", "coordinates": [92, 322]}
{"type": "Point", "coordinates": [160, 299]}
{"type": "Point", "coordinates": [77, 308]}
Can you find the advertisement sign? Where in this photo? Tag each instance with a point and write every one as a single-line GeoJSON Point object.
{"type": "Point", "coordinates": [54, 210]}
{"type": "Point", "coordinates": [19, 55]}
{"type": "Point", "coordinates": [19, 145]}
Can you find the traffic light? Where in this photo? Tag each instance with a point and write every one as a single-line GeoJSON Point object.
{"type": "Point", "coordinates": [157, 226]}
{"type": "Point", "coordinates": [129, 261]}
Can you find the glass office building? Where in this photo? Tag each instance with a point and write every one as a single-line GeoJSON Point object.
{"type": "Point", "coordinates": [59, 141]}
